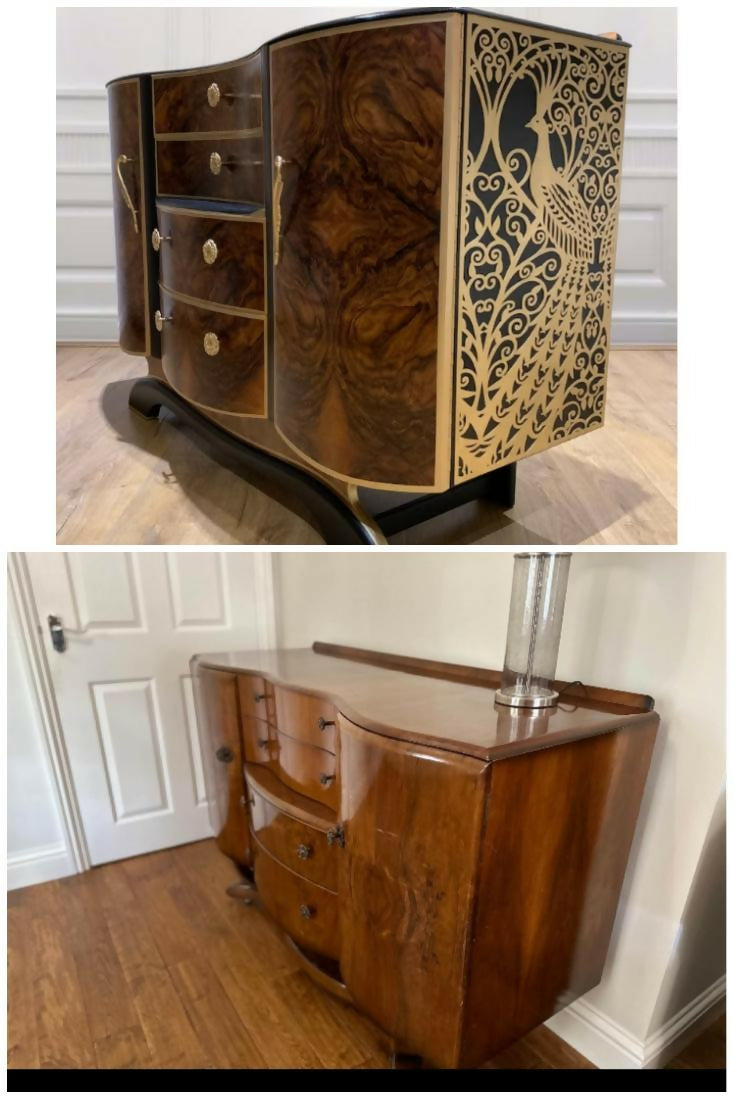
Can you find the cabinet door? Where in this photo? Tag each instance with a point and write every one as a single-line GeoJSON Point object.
{"type": "Point", "coordinates": [412, 821]}
{"type": "Point", "coordinates": [218, 716]}
{"type": "Point", "coordinates": [361, 243]}
{"type": "Point", "coordinates": [129, 207]}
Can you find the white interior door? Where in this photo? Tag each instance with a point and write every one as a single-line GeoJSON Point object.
{"type": "Point", "coordinates": [123, 690]}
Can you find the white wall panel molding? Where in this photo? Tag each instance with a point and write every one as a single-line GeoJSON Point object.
{"type": "Point", "coordinates": [184, 37]}
{"type": "Point", "coordinates": [39, 864]}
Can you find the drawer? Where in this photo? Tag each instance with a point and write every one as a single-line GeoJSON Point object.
{"type": "Point", "coordinates": [256, 696]}
{"type": "Point", "coordinates": [307, 912]}
{"type": "Point", "coordinates": [299, 846]}
{"type": "Point", "coordinates": [309, 770]}
{"type": "Point", "coordinates": [213, 358]}
{"type": "Point", "coordinates": [217, 259]}
{"type": "Point", "coordinates": [305, 717]}
{"type": "Point", "coordinates": [220, 168]}
{"type": "Point", "coordinates": [259, 739]}
{"type": "Point", "coordinates": [228, 98]}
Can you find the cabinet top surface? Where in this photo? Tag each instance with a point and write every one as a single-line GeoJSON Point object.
{"type": "Point", "coordinates": [401, 14]}
{"type": "Point", "coordinates": [429, 709]}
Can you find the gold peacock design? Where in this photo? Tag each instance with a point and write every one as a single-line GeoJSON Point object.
{"type": "Point", "coordinates": [536, 265]}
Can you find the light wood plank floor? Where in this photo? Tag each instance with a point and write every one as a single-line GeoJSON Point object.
{"type": "Point", "coordinates": [122, 481]}
{"type": "Point", "coordinates": [148, 963]}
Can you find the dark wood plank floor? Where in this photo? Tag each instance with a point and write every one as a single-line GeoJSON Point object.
{"type": "Point", "coordinates": [148, 963]}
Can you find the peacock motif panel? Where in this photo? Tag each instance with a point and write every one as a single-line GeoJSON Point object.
{"type": "Point", "coordinates": [542, 148]}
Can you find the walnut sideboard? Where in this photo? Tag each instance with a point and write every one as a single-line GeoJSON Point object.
{"type": "Point", "coordinates": [376, 257]}
{"type": "Point", "coordinates": [450, 866]}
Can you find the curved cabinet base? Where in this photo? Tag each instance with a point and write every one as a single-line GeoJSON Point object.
{"type": "Point", "coordinates": [340, 524]}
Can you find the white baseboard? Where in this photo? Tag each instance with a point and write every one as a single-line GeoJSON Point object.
{"type": "Point", "coordinates": [608, 1045]}
{"type": "Point", "coordinates": [87, 327]}
{"type": "Point", "coordinates": [644, 331]}
{"type": "Point", "coordinates": [39, 864]}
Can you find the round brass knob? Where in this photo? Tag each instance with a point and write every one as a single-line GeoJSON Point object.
{"type": "Point", "coordinates": [304, 851]}
{"type": "Point", "coordinates": [215, 164]}
{"type": "Point", "coordinates": [305, 911]}
{"type": "Point", "coordinates": [157, 240]}
{"type": "Point", "coordinates": [160, 320]}
{"type": "Point", "coordinates": [211, 343]}
{"type": "Point", "coordinates": [224, 754]}
{"type": "Point", "coordinates": [213, 95]}
{"type": "Point", "coordinates": [210, 251]}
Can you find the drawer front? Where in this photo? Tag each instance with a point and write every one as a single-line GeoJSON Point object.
{"type": "Point", "coordinates": [310, 771]}
{"type": "Point", "coordinates": [229, 98]}
{"type": "Point", "coordinates": [305, 717]}
{"type": "Point", "coordinates": [215, 259]}
{"type": "Point", "coordinates": [214, 359]}
{"type": "Point", "coordinates": [223, 168]}
{"type": "Point", "coordinates": [307, 912]}
{"type": "Point", "coordinates": [302, 848]}
{"type": "Point", "coordinates": [259, 739]}
{"type": "Point", "coordinates": [256, 696]}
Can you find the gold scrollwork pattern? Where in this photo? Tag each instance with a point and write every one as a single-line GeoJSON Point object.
{"type": "Point", "coordinates": [542, 147]}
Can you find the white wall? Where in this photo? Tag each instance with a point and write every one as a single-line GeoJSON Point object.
{"type": "Point", "coordinates": [38, 849]}
{"type": "Point", "coordinates": [95, 45]}
{"type": "Point", "coordinates": [648, 622]}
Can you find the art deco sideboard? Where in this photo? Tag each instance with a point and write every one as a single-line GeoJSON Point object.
{"type": "Point", "coordinates": [377, 254]}
{"type": "Point", "coordinates": [450, 866]}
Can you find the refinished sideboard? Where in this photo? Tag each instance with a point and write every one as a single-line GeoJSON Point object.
{"type": "Point", "coordinates": [450, 866]}
{"type": "Point", "coordinates": [376, 254]}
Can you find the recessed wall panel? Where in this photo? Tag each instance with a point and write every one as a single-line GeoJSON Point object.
{"type": "Point", "coordinates": [198, 586]}
{"type": "Point", "coordinates": [105, 591]}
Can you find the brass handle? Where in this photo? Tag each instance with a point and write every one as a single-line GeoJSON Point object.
{"type": "Point", "coordinates": [160, 320]}
{"type": "Point", "coordinates": [335, 836]}
{"type": "Point", "coordinates": [306, 911]}
{"type": "Point", "coordinates": [325, 780]}
{"type": "Point", "coordinates": [157, 240]}
{"type": "Point", "coordinates": [122, 159]}
{"type": "Point", "coordinates": [225, 754]}
{"type": "Point", "coordinates": [323, 723]}
{"type": "Point", "coordinates": [211, 343]}
{"type": "Point", "coordinates": [258, 697]}
{"type": "Point", "coordinates": [209, 251]}
{"type": "Point", "coordinates": [277, 195]}
{"type": "Point", "coordinates": [213, 95]}
{"type": "Point", "coordinates": [304, 851]}
{"type": "Point", "coordinates": [262, 743]}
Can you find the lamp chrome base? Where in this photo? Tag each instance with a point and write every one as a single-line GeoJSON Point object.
{"type": "Point", "coordinates": [545, 697]}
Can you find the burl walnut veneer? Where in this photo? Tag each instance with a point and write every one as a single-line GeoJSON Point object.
{"type": "Point", "coordinates": [418, 209]}
{"type": "Point", "coordinates": [449, 865]}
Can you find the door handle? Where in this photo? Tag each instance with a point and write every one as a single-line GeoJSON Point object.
{"type": "Point", "coordinates": [56, 629]}
{"type": "Point", "coordinates": [277, 196]}
{"type": "Point", "coordinates": [122, 159]}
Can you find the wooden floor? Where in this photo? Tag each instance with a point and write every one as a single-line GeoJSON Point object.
{"type": "Point", "coordinates": [148, 963]}
{"type": "Point", "coordinates": [123, 481]}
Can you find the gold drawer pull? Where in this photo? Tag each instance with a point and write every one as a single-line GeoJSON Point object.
{"type": "Point", "coordinates": [209, 250]}
{"type": "Point", "coordinates": [304, 850]}
{"type": "Point", "coordinates": [122, 159]}
{"type": "Point", "coordinates": [277, 195]}
{"type": "Point", "coordinates": [211, 343]}
{"type": "Point", "coordinates": [213, 95]}
{"type": "Point", "coordinates": [157, 240]}
{"type": "Point", "coordinates": [160, 320]}
{"type": "Point", "coordinates": [305, 911]}
{"type": "Point", "coordinates": [326, 780]}
{"type": "Point", "coordinates": [216, 163]}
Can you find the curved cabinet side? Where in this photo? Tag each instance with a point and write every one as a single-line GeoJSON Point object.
{"type": "Point", "coordinates": [357, 125]}
{"type": "Point", "coordinates": [217, 714]}
{"type": "Point", "coordinates": [412, 818]}
{"type": "Point", "coordinates": [131, 225]}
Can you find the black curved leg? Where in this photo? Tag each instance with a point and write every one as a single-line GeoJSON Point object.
{"type": "Point", "coordinates": [144, 400]}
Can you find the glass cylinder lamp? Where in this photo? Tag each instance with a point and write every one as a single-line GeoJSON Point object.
{"type": "Point", "coordinates": [534, 630]}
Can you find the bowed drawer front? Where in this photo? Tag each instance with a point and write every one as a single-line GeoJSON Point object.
{"type": "Point", "coordinates": [299, 846]}
{"type": "Point", "coordinates": [229, 98]}
{"type": "Point", "coordinates": [219, 259]}
{"type": "Point", "coordinates": [215, 358]}
{"type": "Point", "coordinates": [308, 912]}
